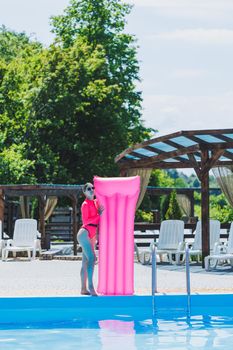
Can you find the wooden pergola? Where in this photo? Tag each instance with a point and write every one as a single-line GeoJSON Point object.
{"type": "Point", "coordinates": [42, 192]}
{"type": "Point", "coordinates": [197, 149]}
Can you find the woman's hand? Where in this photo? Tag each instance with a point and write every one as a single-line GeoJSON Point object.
{"type": "Point", "coordinates": [100, 209]}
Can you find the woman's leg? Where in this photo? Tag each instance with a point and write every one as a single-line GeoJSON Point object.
{"type": "Point", "coordinates": [83, 275]}
{"type": "Point", "coordinates": [93, 243]}
{"type": "Point", "coordinates": [89, 260]}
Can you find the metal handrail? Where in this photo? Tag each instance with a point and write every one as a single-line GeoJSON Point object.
{"type": "Point", "coordinates": [154, 277]}
{"type": "Point", "coordinates": [188, 288]}
{"type": "Point", "coordinates": [154, 271]}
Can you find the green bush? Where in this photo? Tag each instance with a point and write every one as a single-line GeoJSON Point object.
{"type": "Point", "coordinates": [165, 205]}
{"type": "Point", "coordinates": [143, 216]}
{"type": "Point", "coordinates": [173, 211]}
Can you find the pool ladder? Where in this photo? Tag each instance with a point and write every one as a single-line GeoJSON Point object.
{"type": "Point", "coordinates": [154, 288]}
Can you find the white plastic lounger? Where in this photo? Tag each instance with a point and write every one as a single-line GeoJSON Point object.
{"type": "Point", "coordinates": [171, 236]}
{"type": "Point", "coordinates": [144, 256]}
{"type": "Point", "coordinates": [222, 253]}
{"type": "Point", "coordinates": [196, 247]}
{"type": "Point", "coordinates": [24, 239]}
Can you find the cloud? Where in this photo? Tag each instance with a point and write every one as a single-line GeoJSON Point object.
{"type": "Point", "coordinates": [170, 113]}
{"type": "Point", "coordinates": [188, 73]}
{"type": "Point", "coordinates": [169, 110]}
{"type": "Point", "coordinates": [209, 5]}
{"type": "Point", "coordinates": [182, 3]}
{"type": "Point", "coordinates": [189, 8]}
{"type": "Point", "coordinates": [199, 36]}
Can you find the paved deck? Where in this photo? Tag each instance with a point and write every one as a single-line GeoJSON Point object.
{"type": "Point", "coordinates": [61, 278]}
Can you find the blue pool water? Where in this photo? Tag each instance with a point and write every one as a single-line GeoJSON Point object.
{"type": "Point", "coordinates": [117, 323]}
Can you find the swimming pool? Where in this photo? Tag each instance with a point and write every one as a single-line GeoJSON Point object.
{"type": "Point", "coordinates": [117, 323]}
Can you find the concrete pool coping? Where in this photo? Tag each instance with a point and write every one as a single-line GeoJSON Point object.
{"type": "Point", "coordinates": [61, 278]}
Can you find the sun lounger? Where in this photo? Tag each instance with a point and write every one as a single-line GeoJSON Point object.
{"type": "Point", "coordinates": [196, 246]}
{"type": "Point", "coordinates": [171, 236]}
{"type": "Point", "coordinates": [222, 253]}
{"type": "Point", "coordinates": [24, 239]}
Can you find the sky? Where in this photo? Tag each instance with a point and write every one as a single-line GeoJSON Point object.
{"type": "Point", "coordinates": [185, 53]}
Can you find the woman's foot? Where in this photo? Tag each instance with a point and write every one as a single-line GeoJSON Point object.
{"type": "Point", "coordinates": [93, 292]}
{"type": "Point", "coordinates": [85, 292]}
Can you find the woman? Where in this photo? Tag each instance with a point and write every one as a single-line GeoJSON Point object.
{"type": "Point", "coordinates": [91, 212]}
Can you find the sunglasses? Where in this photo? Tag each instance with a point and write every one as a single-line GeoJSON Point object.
{"type": "Point", "coordinates": [90, 188]}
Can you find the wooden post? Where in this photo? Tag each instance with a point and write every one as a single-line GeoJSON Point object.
{"type": "Point", "coordinates": [45, 241]}
{"type": "Point", "coordinates": [2, 206]}
{"type": "Point", "coordinates": [123, 172]}
{"type": "Point", "coordinates": [74, 221]}
{"type": "Point", "coordinates": [205, 224]}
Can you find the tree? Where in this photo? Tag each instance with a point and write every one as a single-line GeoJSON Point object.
{"type": "Point", "coordinates": [220, 209]}
{"type": "Point", "coordinates": [101, 23]}
{"type": "Point", "coordinates": [75, 104]}
{"type": "Point", "coordinates": [180, 183]}
{"type": "Point", "coordinates": [196, 183]}
{"type": "Point", "coordinates": [14, 168]}
{"type": "Point", "coordinates": [173, 173]}
{"type": "Point", "coordinates": [92, 105]}
{"type": "Point", "coordinates": [164, 205]}
{"type": "Point", "coordinates": [12, 44]}
{"type": "Point", "coordinates": [158, 178]}
{"type": "Point", "coordinates": [173, 212]}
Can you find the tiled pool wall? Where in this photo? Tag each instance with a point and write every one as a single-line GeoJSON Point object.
{"type": "Point", "coordinates": [56, 309]}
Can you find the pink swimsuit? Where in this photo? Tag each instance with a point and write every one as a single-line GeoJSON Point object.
{"type": "Point", "coordinates": [90, 216]}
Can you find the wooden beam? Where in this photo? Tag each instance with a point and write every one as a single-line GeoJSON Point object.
{"type": "Point", "coordinates": [157, 150]}
{"type": "Point", "coordinates": [205, 207]}
{"type": "Point", "coordinates": [229, 155]}
{"type": "Point", "coordinates": [224, 138]}
{"type": "Point", "coordinates": [174, 144]}
{"type": "Point", "coordinates": [139, 155]}
{"type": "Point", "coordinates": [183, 160]}
{"type": "Point", "coordinates": [211, 145]}
{"type": "Point", "coordinates": [212, 161]}
{"type": "Point", "coordinates": [45, 240]}
{"type": "Point", "coordinates": [146, 143]}
{"type": "Point", "coordinates": [159, 191]}
{"type": "Point", "coordinates": [124, 166]}
{"type": "Point", "coordinates": [223, 163]}
{"type": "Point", "coordinates": [2, 207]}
{"type": "Point", "coordinates": [165, 155]}
{"type": "Point", "coordinates": [45, 187]}
{"type": "Point", "coordinates": [215, 146]}
{"type": "Point", "coordinates": [152, 149]}
{"type": "Point", "coordinates": [195, 165]}
{"type": "Point", "coordinates": [212, 132]}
